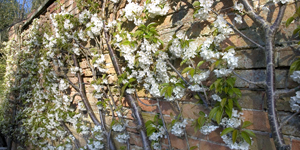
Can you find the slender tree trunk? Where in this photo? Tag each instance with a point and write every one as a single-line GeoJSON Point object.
{"type": "Point", "coordinates": [270, 90]}
{"type": "Point", "coordinates": [86, 102]}
{"type": "Point", "coordinates": [133, 104]}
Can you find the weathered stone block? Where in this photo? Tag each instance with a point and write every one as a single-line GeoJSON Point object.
{"type": "Point", "coordinates": [258, 118]}
{"type": "Point", "coordinates": [252, 99]}
{"type": "Point", "coordinates": [286, 56]}
{"type": "Point", "coordinates": [292, 126]}
{"type": "Point", "coordinates": [254, 58]}
{"type": "Point", "coordinates": [262, 141]}
{"type": "Point", "coordinates": [282, 78]}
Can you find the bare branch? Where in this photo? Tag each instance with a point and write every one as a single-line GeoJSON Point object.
{"type": "Point", "coordinates": [185, 133]}
{"type": "Point", "coordinates": [287, 92]}
{"type": "Point", "coordinates": [76, 142]}
{"type": "Point", "coordinates": [129, 97]}
{"type": "Point", "coordinates": [250, 12]}
{"type": "Point", "coordinates": [278, 20]}
{"type": "Point", "coordinates": [71, 83]}
{"type": "Point", "coordinates": [73, 97]}
{"type": "Point", "coordinates": [164, 124]}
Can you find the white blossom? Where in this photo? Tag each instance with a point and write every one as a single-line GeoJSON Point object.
{"type": "Point", "coordinates": [206, 129]}
{"type": "Point", "coordinates": [216, 98]}
{"type": "Point", "coordinates": [178, 128]}
{"type": "Point", "coordinates": [118, 127]}
{"type": "Point", "coordinates": [239, 7]}
{"type": "Point", "coordinates": [238, 19]}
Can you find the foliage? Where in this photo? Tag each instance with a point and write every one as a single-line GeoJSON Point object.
{"type": "Point", "coordinates": [37, 69]}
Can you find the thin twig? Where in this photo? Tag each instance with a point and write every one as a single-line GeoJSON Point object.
{"type": "Point", "coordinates": [185, 133]}
{"type": "Point", "coordinates": [164, 124]}
{"type": "Point", "coordinates": [72, 84]}
{"type": "Point", "coordinates": [73, 97]}
{"type": "Point", "coordinates": [76, 142]}
{"type": "Point", "coordinates": [286, 92]}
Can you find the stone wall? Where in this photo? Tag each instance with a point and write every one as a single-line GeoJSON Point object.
{"type": "Point", "coordinates": [251, 66]}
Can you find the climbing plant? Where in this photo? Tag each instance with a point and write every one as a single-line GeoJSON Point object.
{"type": "Point", "coordinates": [42, 61]}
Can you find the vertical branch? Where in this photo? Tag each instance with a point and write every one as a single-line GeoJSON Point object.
{"type": "Point", "coordinates": [135, 109]}
{"type": "Point", "coordinates": [164, 124]}
{"type": "Point", "coordinates": [86, 102]}
{"type": "Point", "coordinates": [185, 133]}
{"type": "Point", "coordinates": [121, 118]}
{"type": "Point", "coordinates": [83, 94]}
{"type": "Point", "coordinates": [76, 142]}
{"type": "Point", "coordinates": [270, 70]}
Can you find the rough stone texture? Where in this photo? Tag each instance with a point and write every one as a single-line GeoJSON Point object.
{"type": "Point", "coordinates": [282, 78]}
{"type": "Point", "coordinates": [295, 144]}
{"type": "Point", "coordinates": [292, 127]}
{"type": "Point", "coordinates": [259, 119]}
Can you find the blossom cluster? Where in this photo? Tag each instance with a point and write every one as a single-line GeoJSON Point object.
{"type": "Point", "coordinates": [178, 128]}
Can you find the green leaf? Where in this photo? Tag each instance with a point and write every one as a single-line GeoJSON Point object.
{"type": "Point", "coordinates": [131, 80]}
{"type": "Point", "coordinates": [184, 61]}
{"type": "Point", "coordinates": [200, 63]}
{"type": "Point", "coordinates": [213, 112]}
{"type": "Point", "coordinates": [246, 124]}
{"type": "Point", "coordinates": [196, 4]}
{"type": "Point", "coordinates": [149, 122]}
{"type": "Point", "coordinates": [230, 104]}
{"type": "Point", "coordinates": [169, 91]}
{"type": "Point", "coordinates": [296, 30]}
{"type": "Point", "coordinates": [237, 92]}
{"type": "Point", "coordinates": [295, 66]}
{"type": "Point", "coordinates": [228, 48]}
{"type": "Point", "coordinates": [223, 102]}
{"type": "Point", "coordinates": [180, 85]}
{"type": "Point", "coordinates": [219, 115]}
{"type": "Point", "coordinates": [150, 130]}
{"type": "Point", "coordinates": [234, 135]}
{"type": "Point", "coordinates": [227, 130]}
{"type": "Point", "coordinates": [163, 90]}
{"type": "Point", "coordinates": [289, 21]}
{"type": "Point", "coordinates": [246, 137]}
{"type": "Point", "coordinates": [228, 111]}
{"type": "Point", "coordinates": [192, 72]}
{"type": "Point", "coordinates": [231, 81]}
{"type": "Point", "coordinates": [193, 147]}
{"type": "Point", "coordinates": [187, 69]}
{"type": "Point", "coordinates": [250, 133]}
{"type": "Point", "coordinates": [201, 113]}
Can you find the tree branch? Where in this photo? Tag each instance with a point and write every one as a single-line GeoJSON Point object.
{"type": "Point", "coordinates": [76, 142]}
{"type": "Point", "coordinates": [85, 100]}
{"type": "Point", "coordinates": [250, 12]}
{"type": "Point", "coordinates": [286, 92]}
{"type": "Point", "coordinates": [278, 20]}
{"type": "Point", "coordinates": [129, 97]}
{"type": "Point", "coordinates": [164, 124]}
